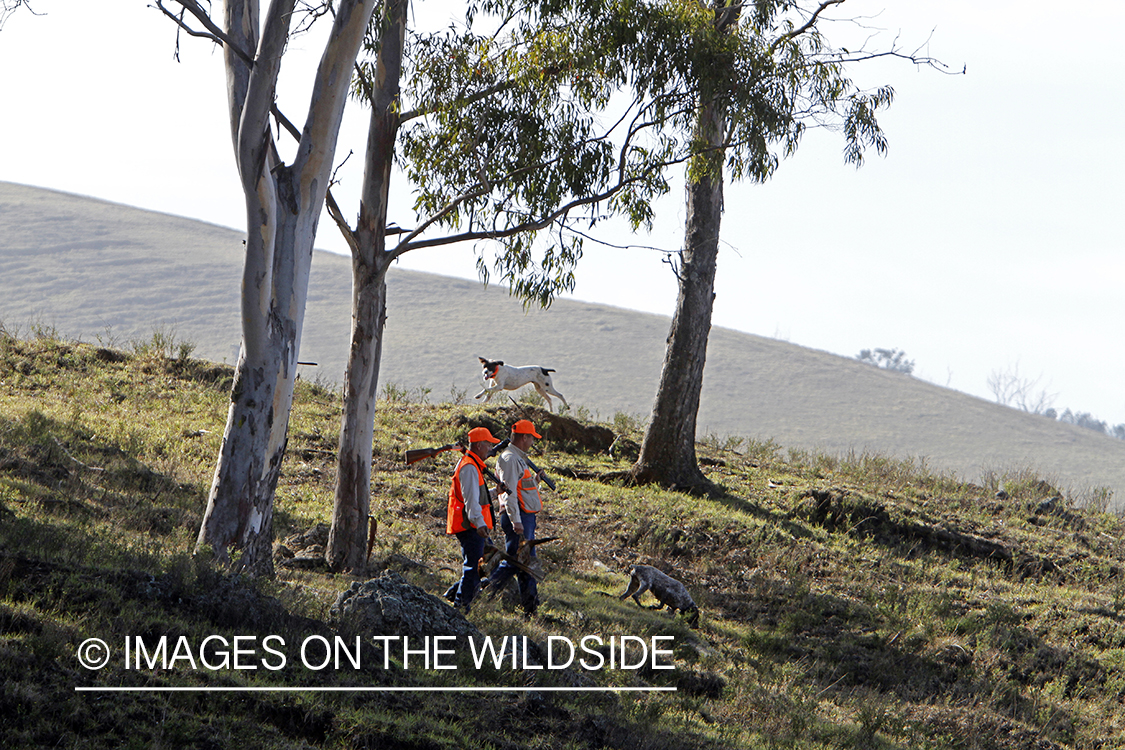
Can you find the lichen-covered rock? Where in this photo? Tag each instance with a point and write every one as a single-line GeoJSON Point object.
{"type": "Point", "coordinates": [388, 605]}
{"type": "Point", "coordinates": [317, 535]}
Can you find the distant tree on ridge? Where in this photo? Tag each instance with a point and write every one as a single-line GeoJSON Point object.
{"type": "Point", "coordinates": [887, 359]}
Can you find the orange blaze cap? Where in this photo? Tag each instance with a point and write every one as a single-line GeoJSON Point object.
{"type": "Point", "coordinates": [481, 434]}
{"type": "Point", "coordinates": [524, 426]}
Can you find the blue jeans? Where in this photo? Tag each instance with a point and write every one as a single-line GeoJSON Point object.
{"type": "Point", "coordinates": [472, 547]}
{"type": "Point", "coordinates": [529, 590]}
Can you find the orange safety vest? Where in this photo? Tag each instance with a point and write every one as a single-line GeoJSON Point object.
{"type": "Point", "coordinates": [526, 487]}
{"type": "Point", "coordinates": [456, 519]}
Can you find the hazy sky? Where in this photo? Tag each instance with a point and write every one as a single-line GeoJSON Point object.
{"type": "Point", "coordinates": [989, 238]}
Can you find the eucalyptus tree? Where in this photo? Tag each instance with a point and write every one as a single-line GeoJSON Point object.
{"type": "Point", "coordinates": [760, 73]}
{"type": "Point", "coordinates": [283, 206]}
{"type": "Point", "coordinates": [378, 84]}
{"type": "Point", "coordinates": [538, 128]}
{"type": "Point", "coordinates": [723, 88]}
{"type": "Point", "coordinates": [535, 122]}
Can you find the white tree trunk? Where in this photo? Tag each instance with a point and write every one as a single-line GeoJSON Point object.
{"type": "Point", "coordinates": [347, 539]}
{"type": "Point", "coordinates": [283, 205]}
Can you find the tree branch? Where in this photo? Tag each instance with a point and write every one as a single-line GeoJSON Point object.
{"type": "Point", "coordinates": [285, 122]}
{"type": "Point", "coordinates": [808, 24]}
{"type": "Point", "coordinates": [407, 244]}
{"type": "Point", "coordinates": [311, 13]}
{"type": "Point", "coordinates": [459, 102]}
{"type": "Point", "coordinates": [615, 246]}
{"type": "Point", "coordinates": [8, 7]}
{"type": "Point", "coordinates": [330, 203]}
{"type": "Point", "coordinates": [637, 125]}
{"type": "Point", "coordinates": [214, 33]}
{"type": "Point", "coordinates": [341, 223]}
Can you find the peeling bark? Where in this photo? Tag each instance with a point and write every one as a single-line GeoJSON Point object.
{"type": "Point", "coordinates": [282, 209]}
{"type": "Point", "coordinates": [347, 540]}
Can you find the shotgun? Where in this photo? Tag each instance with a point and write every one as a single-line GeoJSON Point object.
{"type": "Point", "coordinates": [494, 551]}
{"type": "Point", "coordinates": [504, 444]}
{"type": "Point", "coordinates": [535, 542]}
{"type": "Point", "coordinates": [520, 561]}
{"type": "Point", "coordinates": [527, 548]}
{"type": "Point", "coordinates": [418, 454]}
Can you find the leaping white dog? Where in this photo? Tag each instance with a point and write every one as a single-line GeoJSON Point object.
{"type": "Point", "coordinates": [501, 377]}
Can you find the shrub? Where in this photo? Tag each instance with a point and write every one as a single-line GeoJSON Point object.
{"type": "Point", "coordinates": [887, 359]}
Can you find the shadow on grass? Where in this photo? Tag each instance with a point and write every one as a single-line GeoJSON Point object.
{"type": "Point", "coordinates": [839, 647]}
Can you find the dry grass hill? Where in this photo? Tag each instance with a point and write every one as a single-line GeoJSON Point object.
{"type": "Point", "coordinates": [853, 604]}
{"type": "Point", "coordinates": [100, 271]}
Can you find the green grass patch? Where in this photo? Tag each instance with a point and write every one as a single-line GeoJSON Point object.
{"type": "Point", "coordinates": [847, 602]}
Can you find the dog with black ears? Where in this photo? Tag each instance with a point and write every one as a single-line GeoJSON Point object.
{"type": "Point", "coordinates": [501, 377]}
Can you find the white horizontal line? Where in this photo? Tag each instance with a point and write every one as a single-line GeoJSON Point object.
{"type": "Point", "coordinates": [372, 689]}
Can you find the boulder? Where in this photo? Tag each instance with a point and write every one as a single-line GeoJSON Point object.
{"type": "Point", "coordinates": [388, 605]}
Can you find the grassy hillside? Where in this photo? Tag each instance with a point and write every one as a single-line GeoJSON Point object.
{"type": "Point", "coordinates": [862, 603]}
{"type": "Point", "coordinates": [106, 272]}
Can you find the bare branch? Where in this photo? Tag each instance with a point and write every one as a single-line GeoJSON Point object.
{"type": "Point", "coordinates": [335, 212]}
{"type": "Point", "coordinates": [9, 7]}
{"type": "Point", "coordinates": [213, 31]}
{"type": "Point", "coordinates": [1019, 392]}
{"type": "Point", "coordinates": [914, 57]}
{"type": "Point", "coordinates": [615, 246]}
{"type": "Point", "coordinates": [341, 223]}
{"type": "Point", "coordinates": [808, 24]}
{"type": "Point", "coordinates": [845, 56]}
{"type": "Point", "coordinates": [330, 203]}
{"type": "Point", "coordinates": [310, 13]}
{"type": "Point", "coordinates": [674, 264]}
{"type": "Point", "coordinates": [285, 122]}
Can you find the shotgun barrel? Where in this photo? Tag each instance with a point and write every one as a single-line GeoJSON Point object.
{"type": "Point", "coordinates": [419, 454]}
{"type": "Point", "coordinates": [550, 482]}
{"type": "Point", "coordinates": [494, 551]}
{"type": "Point", "coordinates": [504, 444]}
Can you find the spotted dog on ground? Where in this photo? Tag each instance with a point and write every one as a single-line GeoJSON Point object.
{"type": "Point", "coordinates": [667, 590]}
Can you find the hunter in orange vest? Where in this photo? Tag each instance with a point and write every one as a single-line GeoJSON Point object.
{"type": "Point", "coordinates": [517, 512]}
{"type": "Point", "coordinates": [469, 514]}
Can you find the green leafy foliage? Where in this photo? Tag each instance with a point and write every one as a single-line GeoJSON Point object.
{"type": "Point", "coordinates": [534, 123]}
